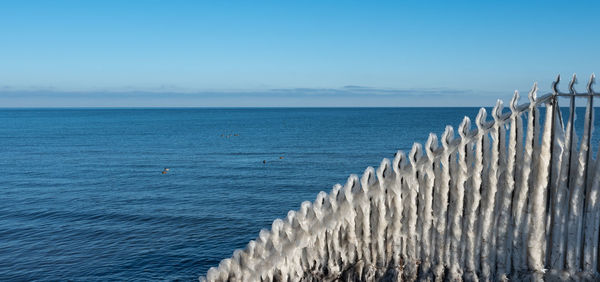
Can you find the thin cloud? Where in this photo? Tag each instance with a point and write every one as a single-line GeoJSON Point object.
{"type": "Point", "coordinates": [352, 90]}
{"type": "Point", "coordinates": [346, 96]}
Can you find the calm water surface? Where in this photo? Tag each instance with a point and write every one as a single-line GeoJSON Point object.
{"type": "Point", "coordinates": [82, 196]}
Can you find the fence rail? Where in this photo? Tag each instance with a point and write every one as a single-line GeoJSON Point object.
{"type": "Point", "coordinates": [500, 201]}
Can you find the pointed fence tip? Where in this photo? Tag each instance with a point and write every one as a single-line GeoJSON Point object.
{"type": "Point", "coordinates": [383, 170]}
{"type": "Point", "coordinates": [572, 84]}
{"type": "Point", "coordinates": [555, 85]}
{"type": "Point", "coordinates": [368, 178]}
{"type": "Point", "coordinates": [533, 94]}
{"type": "Point", "coordinates": [480, 119]}
{"type": "Point", "coordinates": [431, 143]}
{"type": "Point", "coordinates": [498, 109]}
{"type": "Point", "coordinates": [415, 153]}
{"type": "Point", "coordinates": [514, 101]}
{"type": "Point", "coordinates": [464, 127]}
{"type": "Point", "coordinates": [353, 182]}
{"type": "Point", "coordinates": [399, 160]}
{"type": "Point", "coordinates": [590, 83]}
{"type": "Point", "coordinates": [447, 136]}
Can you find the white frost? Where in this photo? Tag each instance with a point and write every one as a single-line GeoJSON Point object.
{"type": "Point", "coordinates": [482, 206]}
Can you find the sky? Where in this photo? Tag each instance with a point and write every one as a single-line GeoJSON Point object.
{"type": "Point", "coordinates": [289, 53]}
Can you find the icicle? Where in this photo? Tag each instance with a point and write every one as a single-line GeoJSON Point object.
{"type": "Point", "coordinates": [449, 147]}
{"type": "Point", "coordinates": [518, 166]}
{"type": "Point", "coordinates": [410, 209]}
{"type": "Point", "coordinates": [590, 259]}
{"type": "Point", "coordinates": [386, 177]}
{"type": "Point", "coordinates": [364, 213]}
{"type": "Point", "coordinates": [557, 197]}
{"type": "Point", "coordinates": [521, 192]}
{"type": "Point", "coordinates": [574, 233]}
{"type": "Point", "coordinates": [307, 218]}
{"type": "Point", "coordinates": [558, 138]}
{"type": "Point", "coordinates": [352, 184]}
{"type": "Point", "coordinates": [426, 202]}
{"type": "Point", "coordinates": [368, 182]}
{"type": "Point", "coordinates": [399, 236]}
{"type": "Point", "coordinates": [483, 126]}
{"type": "Point", "coordinates": [319, 232]}
{"type": "Point", "coordinates": [456, 262]}
{"type": "Point", "coordinates": [536, 241]}
{"type": "Point", "coordinates": [593, 220]}
{"type": "Point", "coordinates": [294, 250]}
{"type": "Point", "coordinates": [504, 192]}
{"type": "Point", "coordinates": [487, 204]}
{"type": "Point", "coordinates": [561, 198]}
{"type": "Point", "coordinates": [472, 204]}
{"type": "Point", "coordinates": [440, 206]}
{"type": "Point", "coordinates": [379, 213]}
{"type": "Point", "coordinates": [333, 226]}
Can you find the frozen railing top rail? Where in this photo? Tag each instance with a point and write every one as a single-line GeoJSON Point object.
{"type": "Point", "coordinates": [504, 200]}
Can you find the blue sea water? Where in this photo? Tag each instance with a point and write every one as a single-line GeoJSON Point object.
{"type": "Point", "coordinates": [82, 196]}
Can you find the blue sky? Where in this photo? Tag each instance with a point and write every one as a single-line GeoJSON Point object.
{"type": "Point", "coordinates": [289, 53]}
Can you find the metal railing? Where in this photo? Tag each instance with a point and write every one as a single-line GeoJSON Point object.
{"type": "Point", "coordinates": [500, 201]}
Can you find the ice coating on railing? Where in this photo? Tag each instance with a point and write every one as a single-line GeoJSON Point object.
{"type": "Point", "coordinates": [515, 198]}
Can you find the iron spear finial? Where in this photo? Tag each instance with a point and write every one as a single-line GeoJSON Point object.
{"type": "Point", "coordinates": [533, 94]}
{"type": "Point", "coordinates": [555, 85]}
{"type": "Point", "coordinates": [572, 84]}
{"type": "Point", "coordinates": [590, 83]}
{"type": "Point", "coordinates": [514, 102]}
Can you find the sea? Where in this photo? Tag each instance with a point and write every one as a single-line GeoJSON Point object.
{"type": "Point", "coordinates": [85, 194]}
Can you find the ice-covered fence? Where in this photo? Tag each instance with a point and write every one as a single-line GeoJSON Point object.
{"type": "Point", "coordinates": [506, 200]}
